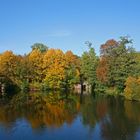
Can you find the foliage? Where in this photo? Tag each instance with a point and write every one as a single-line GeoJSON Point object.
{"type": "Point", "coordinates": [137, 66]}
{"type": "Point", "coordinates": [117, 63]}
{"type": "Point", "coordinates": [24, 85]}
{"type": "Point", "coordinates": [8, 62]}
{"type": "Point", "coordinates": [44, 68]}
{"type": "Point", "coordinates": [59, 68]}
{"type": "Point", "coordinates": [36, 60]}
{"type": "Point", "coordinates": [132, 90]}
{"type": "Point", "coordinates": [88, 66]}
{"type": "Point", "coordinates": [106, 48]}
{"type": "Point", "coordinates": [121, 64]}
{"type": "Point", "coordinates": [71, 70]}
{"type": "Point", "coordinates": [100, 87]}
{"type": "Point", "coordinates": [54, 67]}
{"type": "Point", "coordinates": [41, 69]}
{"type": "Point", "coordinates": [39, 46]}
{"type": "Point", "coordinates": [102, 70]}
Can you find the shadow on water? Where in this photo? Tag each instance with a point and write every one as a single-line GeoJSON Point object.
{"type": "Point", "coordinates": [101, 117]}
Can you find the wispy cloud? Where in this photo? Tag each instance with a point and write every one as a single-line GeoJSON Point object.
{"type": "Point", "coordinates": [59, 33]}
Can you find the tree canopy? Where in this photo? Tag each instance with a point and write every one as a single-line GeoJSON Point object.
{"type": "Point", "coordinates": [48, 68]}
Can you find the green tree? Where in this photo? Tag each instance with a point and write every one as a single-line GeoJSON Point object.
{"type": "Point", "coordinates": [41, 47]}
{"type": "Point", "coordinates": [121, 63]}
{"type": "Point", "coordinates": [137, 66]}
{"type": "Point", "coordinates": [88, 66]}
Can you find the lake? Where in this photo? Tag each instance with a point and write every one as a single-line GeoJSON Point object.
{"type": "Point", "coordinates": [60, 116]}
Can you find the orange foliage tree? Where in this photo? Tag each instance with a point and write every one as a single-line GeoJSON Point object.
{"type": "Point", "coordinates": [102, 70]}
{"type": "Point", "coordinates": [103, 65]}
{"type": "Point", "coordinates": [8, 65]}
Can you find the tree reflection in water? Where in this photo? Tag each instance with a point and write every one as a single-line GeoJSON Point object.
{"type": "Point", "coordinates": [116, 118]}
{"type": "Point", "coordinates": [51, 110]}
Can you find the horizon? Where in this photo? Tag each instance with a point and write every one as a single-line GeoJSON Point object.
{"type": "Point", "coordinates": [66, 25]}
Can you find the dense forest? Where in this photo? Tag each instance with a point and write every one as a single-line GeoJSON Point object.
{"type": "Point", "coordinates": [116, 71]}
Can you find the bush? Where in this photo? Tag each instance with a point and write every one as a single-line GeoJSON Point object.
{"type": "Point", "coordinates": [25, 85]}
{"type": "Point", "coordinates": [132, 90]}
{"type": "Point", "coordinates": [112, 91]}
{"type": "Point", "coordinates": [44, 86]}
{"type": "Point", "coordinates": [36, 86]}
{"type": "Point", "coordinates": [100, 88]}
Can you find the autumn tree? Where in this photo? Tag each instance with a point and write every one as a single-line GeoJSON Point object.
{"type": "Point", "coordinates": [117, 62]}
{"type": "Point", "coordinates": [8, 62]}
{"type": "Point", "coordinates": [24, 72]}
{"type": "Point", "coordinates": [54, 68]}
{"type": "Point", "coordinates": [103, 65]}
{"type": "Point", "coordinates": [121, 63]}
{"type": "Point", "coordinates": [102, 70]}
{"type": "Point", "coordinates": [71, 69]}
{"type": "Point", "coordinates": [107, 48]}
{"type": "Point", "coordinates": [136, 71]}
{"type": "Point", "coordinates": [132, 88]}
{"type": "Point", "coordinates": [35, 60]}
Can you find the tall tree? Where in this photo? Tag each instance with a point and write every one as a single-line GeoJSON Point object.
{"type": "Point", "coordinates": [120, 57]}
{"type": "Point", "coordinates": [36, 60]}
{"type": "Point", "coordinates": [71, 69]}
{"type": "Point", "coordinates": [102, 70]}
{"type": "Point", "coordinates": [103, 65]}
{"type": "Point", "coordinates": [8, 62]}
{"type": "Point", "coordinates": [107, 48]}
{"type": "Point", "coordinates": [121, 63]}
{"type": "Point", "coordinates": [54, 68]}
{"type": "Point", "coordinates": [137, 66]}
{"type": "Point", "coordinates": [88, 66]}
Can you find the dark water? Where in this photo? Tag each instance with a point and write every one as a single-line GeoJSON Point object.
{"type": "Point", "coordinates": [56, 116]}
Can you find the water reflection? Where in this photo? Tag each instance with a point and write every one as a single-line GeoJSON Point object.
{"type": "Point", "coordinates": [51, 110]}
{"type": "Point", "coordinates": [104, 118]}
{"type": "Point", "coordinates": [118, 125]}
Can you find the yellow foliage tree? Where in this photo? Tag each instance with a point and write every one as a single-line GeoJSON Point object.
{"type": "Point", "coordinates": [72, 68]}
{"type": "Point", "coordinates": [132, 90]}
{"type": "Point", "coordinates": [35, 59]}
{"type": "Point", "coordinates": [8, 62]}
{"type": "Point", "coordinates": [54, 64]}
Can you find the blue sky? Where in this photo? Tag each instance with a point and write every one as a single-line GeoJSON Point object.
{"type": "Point", "coordinates": [67, 24]}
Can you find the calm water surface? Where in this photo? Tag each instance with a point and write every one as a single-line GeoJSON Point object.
{"type": "Point", "coordinates": [56, 116]}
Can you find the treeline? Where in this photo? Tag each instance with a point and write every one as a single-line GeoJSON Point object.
{"type": "Point", "coordinates": [115, 71]}
{"type": "Point", "coordinates": [41, 69]}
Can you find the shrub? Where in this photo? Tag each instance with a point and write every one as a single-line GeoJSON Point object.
{"type": "Point", "coordinates": [132, 90]}
{"type": "Point", "coordinates": [100, 88]}
{"type": "Point", "coordinates": [25, 85]}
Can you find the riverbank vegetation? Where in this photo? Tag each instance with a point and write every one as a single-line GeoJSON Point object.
{"type": "Point", "coordinates": [115, 71]}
